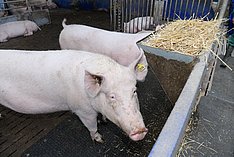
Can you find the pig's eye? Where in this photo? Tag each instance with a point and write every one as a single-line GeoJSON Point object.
{"type": "Point", "coordinates": [112, 96]}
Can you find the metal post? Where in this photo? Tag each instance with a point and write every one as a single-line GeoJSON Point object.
{"type": "Point", "coordinates": [198, 5]}
{"type": "Point", "coordinates": [223, 9]}
{"type": "Point", "coordinates": [165, 10]}
{"type": "Point", "coordinates": [181, 4]}
{"type": "Point", "coordinates": [142, 13]}
{"type": "Point", "coordinates": [186, 8]}
{"type": "Point", "coordinates": [176, 2]}
{"type": "Point", "coordinates": [191, 12]}
{"type": "Point", "coordinates": [111, 15]}
{"type": "Point", "coordinates": [130, 12]}
{"type": "Point", "coordinates": [203, 9]}
{"type": "Point", "coordinates": [170, 9]}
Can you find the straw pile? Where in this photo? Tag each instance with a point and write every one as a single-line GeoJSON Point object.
{"type": "Point", "coordinates": [189, 37]}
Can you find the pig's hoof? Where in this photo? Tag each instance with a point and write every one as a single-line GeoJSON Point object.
{"type": "Point", "coordinates": [28, 34]}
{"type": "Point", "coordinates": [97, 137]}
{"type": "Point", "coordinates": [5, 40]}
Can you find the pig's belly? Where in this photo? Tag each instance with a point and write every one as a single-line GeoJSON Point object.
{"type": "Point", "coordinates": [15, 32]}
{"type": "Point", "coordinates": [22, 102]}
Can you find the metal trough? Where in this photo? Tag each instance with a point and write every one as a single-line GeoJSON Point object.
{"type": "Point", "coordinates": [185, 79]}
{"type": "Point", "coordinates": [171, 68]}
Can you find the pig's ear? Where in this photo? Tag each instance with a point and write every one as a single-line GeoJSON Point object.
{"type": "Point", "coordinates": [92, 83]}
{"type": "Point", "coordinates": [140, 66]}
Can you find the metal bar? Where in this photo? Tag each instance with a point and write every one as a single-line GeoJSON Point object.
{"type": "Point", "coordinates": [210, 7]}
{"type": "Point", "coordinates": [151, 10]}
{"type": "Point", "coordinates": [138, 15]}
{"type": "Point", "coordinates": [181, 4]}
{"type": "Point", "coordinates": [160, 11]}
{"type": "Point", "coordinates": [119, 14]}
{"type": "Point", "coordinates": [203, 9]}
{"type": "Point", "coordinates": [147, 8]}
{"type": "Point", "coordinates": [170, 6]}
{"type": "Point", "coordinates": [191, 13]}
{"type": "Point", "coordinates": [114, 11]}
{"type": "Point", "coordinates": [111, 15]}
{"type": "Point", "coordinates": [130, 13]}
{"type": "Point", "coordinates": [14, 8]}
{"type": "Point", "coordinates": [165, 10]}
{"type": "Point", "coordinates": [134, 15]}
{"type": "Point", "coordinates": [223, 9]}
{"type": "Point", "coordinates": [12, 1]}
{"type": "Point", "coordinates": [161, 4]}
{"type": "Point", "coordinates": [142, 14]}
{"type": "Point", "coordinates": [126, 13]}
{"type": "Point", "coordinates": [186, 9]}
{"type": "Point", "coordinates": [176, 2]}
{"type": "Point", "coordinates": [156, 18]}
{"type": "Point", "coordinates": [198, 6]}
{"type": "Point", "coordinates": [152, 7]}
{"type": "Point", "coordinates": [122, 16]}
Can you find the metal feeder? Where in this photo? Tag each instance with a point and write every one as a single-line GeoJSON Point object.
{"type": "Point", "coordinates": [171, 68]}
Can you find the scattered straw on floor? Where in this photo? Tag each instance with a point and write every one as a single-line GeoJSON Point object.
{"type": "Point", "coordinates": [189, 37]}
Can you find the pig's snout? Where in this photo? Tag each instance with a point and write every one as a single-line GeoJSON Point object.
{"type": "Point", "coordinates": [138, 134]}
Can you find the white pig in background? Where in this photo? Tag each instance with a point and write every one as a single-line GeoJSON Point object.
{"type": "Point", "coordinates": [17, 28]}
{"type": "Point", "coordinates": [137, 24]}
{"type": "Point", "coordinates": [34, 82]}
{"type": "Point", "coordinates": [119, 46]}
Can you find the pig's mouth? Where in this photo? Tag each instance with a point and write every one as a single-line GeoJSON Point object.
{"type": "Point", "coordinates": [138, 134]}
{"type": "Point", "coordinates": [135, 135]}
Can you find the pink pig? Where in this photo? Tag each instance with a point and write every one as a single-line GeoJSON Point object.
{"type": "Point", "coordinates": [138, 24]}
{"type": "Point", "coordinates": [17, 28]}
{"type": "Point", "coordinates": [34, 82]}
{"type": "Point", "coordinates": [121, 47]}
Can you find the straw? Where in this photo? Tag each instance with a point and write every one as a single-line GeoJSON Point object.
{"type": "Point", "coordinates": [190, 37]}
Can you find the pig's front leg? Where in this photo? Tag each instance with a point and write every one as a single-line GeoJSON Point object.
{"type": "Point", "coordinates": [28, 33]}
{"type": "Point", "coordinates": [3, 37]}
{"type": "Point", "coordinates": [90, 121]}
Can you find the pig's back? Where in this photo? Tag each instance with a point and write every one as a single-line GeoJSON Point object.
{"type": "Point", "coordinates": [13, 29]}
{"type": "Point", "coordinates": [42, 62]}
{"type": "Point", "coordinates": [19, 59]}
{"type": "Point", "coordinates": [81, 37]}
{"type": "Point", "coordinates": [45, 78]}
{"type": "Point", "coordinates": [119, 46]}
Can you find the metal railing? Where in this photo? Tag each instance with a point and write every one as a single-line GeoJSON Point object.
{"type": "Point", "coordinates": [161, 11]}
{"type": "Point", "coordinates": [14, 7]}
